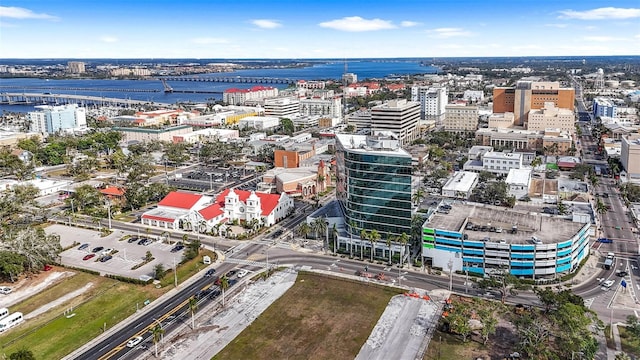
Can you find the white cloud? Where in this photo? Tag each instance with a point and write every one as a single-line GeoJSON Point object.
{"type": "Point", "coordinates": [22, 13]}
{"type": "Point", "coordinates": [450, 46]}
{"type": "Point", "coordinates": [266, 23]}
{"type": "Point", "coordinates": [407, 23]}
{"type": "Point", "coordinates": [601, 13]}
{"type": "Point", "coordinates": [602, 38]}
{"type": "Point", "coordinates": [444, 33]}
{"type": "Point", "coordinates": [527, 47]}
{"type": "Point", "coordinates": [209, 40]}
{"type": "Point", "coordinates": [357, 24]}
{"type": "Point", "coordinates": [637, 36]}
{"type": "Point", "coordinates": [560, 26]}
{"type": "Point", "coordinates": [109, 39]}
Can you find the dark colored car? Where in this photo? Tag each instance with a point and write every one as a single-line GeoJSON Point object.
{"type": "Point", "coordinates": [231, 273]}
{"type": "Point", "coordinates": [83, 246]}
{"type": "Point", "coordinates": [623, 273]}
{"type": "Point", "coordinates": [106, 258]}
{"type": "Point", "coordinates": [177, 248]}
{"type": "Point", "coordinates": [96, 249]}
{"type": "Point", "coordinates": [605, 240]}
{"type": "Point", "coordinates": [210, 272]}
{"type": "Point", "coordinates": [88, 256]}
{"type": "Point", "coordinates": [132, 239]}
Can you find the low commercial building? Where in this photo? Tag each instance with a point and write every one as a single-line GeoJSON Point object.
{"type": "Point", "coordinates": [235, 96]}
{"type": "Point", "coordinates": [551, 116]}
{"type": "Point", "coordinates": [460, 185]}
{"type": "Point", "coordinates": [501, 120]}
{"type": "Point", "coordinates": [133, 135]}
{"type": "Point", "coordinates": [518, 181]}
{"type": "Point", "coordinates": [206, 135]}
{"type": "Point", "coordinates": [519, 139]}
{"type": "Point", "coordinates": [461, 119]}
{"type": "Point", "coordinates": [304, 182]}
{"type": "Point", "coordinates": [488, 240]}
{"type": "Point", "coordinates": [283, 107]}
{"type": "Point", "coordinates": [259, 122]}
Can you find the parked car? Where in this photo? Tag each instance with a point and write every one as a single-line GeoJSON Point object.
{"type": "Point", "coordinates": [177, 248]}
{"type": "Point", "coordinates": [97, 249]}
{"type": "Point", "coordinates": [242, 273]}
{"type": "Point", "coordinates": [5, 290]}
{"type": "Point", "coordinates": [107, 251]}
{"type": "Point", "coordinates": [88, 256]}
{"type": "Point", "coordinates": [132, 239]}
{"type": "Point", "coordinates": [145, 242]}
{"type": "Point", "coordinates": [134, 341]}
{"type": "Point", "coordinates": [106, 258]}
{"type": "Point", "coordinates": [230, 273]}
{"type": "Point", "coordinates": [605, 240]}
{"type": "Point", "coordinates": [83, 246]}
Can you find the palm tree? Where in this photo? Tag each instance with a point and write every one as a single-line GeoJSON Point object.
{"type": "Point", "coordinates": [601, 208]}
{"type": "Point", "coordinates": [418, 196]}
{"type": "Point", "coordinates": [319, 226]}
{"type": "Point", "coordinates": [352, 226]}
{"type": "Point", "coordinates": [389, 238]}
{"type": "Point", "coordinates": [224, 285]}
{"type": "Point", "coordinates": [304, 229]}
{"type": "Point", "coordinates": [193, 307]}
{"type": "Point", "coordinates": [374, 236]}
{"type": "Point", "coordinates": [536, 162]}
{"type": "Point", "coordinates": [334, 234]}
{"type": "Point", "coordinates": [403, 239]}
{"type": "Point", "coordinates": [157, 333]}
{"type": "Point", "coordinates": [364, 235]}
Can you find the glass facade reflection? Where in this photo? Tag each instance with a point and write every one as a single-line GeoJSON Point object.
{"type": "Point", "coordinates": [374, 184]}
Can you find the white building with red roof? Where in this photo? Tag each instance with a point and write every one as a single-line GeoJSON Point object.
{"type": "Point", "coordinates": [235, 96]}
{"type": "Point", "coordinates": [175, 210]}
{"type": "Point", "coordinates": [181, 210]}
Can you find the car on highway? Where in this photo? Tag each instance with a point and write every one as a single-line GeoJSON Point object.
{"type": "Point", "coordinates": [622, 273]}
{"type": "Point", "coordinates": [106, 258]}
{"type": "Point", "coordinates": [210, 272]}
{"type": "Point", "coordinates": [97, 249]}
{"type": "Point", "coordinates": [607, 284]}
{"type": "Point", "coordinates": [230, 273]}
{"type": "Point", "coordinates": [134, 341]}
{"type": "Point", "coordinates": [242, 273]}
{"type": "Point", "coordinates": [83, 246]}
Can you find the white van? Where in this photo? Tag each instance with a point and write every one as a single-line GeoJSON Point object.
{"type": "Point", "coordinates": [3, 313]}
{"type": "Point", "coordinates": [11, 321]}
{"type": "Point", "coordinates": [206, 260]}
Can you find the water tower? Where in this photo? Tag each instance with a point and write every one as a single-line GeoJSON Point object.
{"type": "Point", "coordinates": [599, 83]}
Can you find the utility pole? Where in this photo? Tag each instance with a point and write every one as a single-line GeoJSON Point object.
{"type": "Point", "coordinates": [450, 264]}
{"type": "Point", "coordinates": [175, 273]}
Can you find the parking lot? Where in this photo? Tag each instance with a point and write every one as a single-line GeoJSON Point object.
{"type": "Point", "coordinates": [206, 178]}
{"type": "Point", "coordinates": [124, 254]}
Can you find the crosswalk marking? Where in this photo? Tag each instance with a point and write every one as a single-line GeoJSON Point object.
{"type": "Point", "coordinates": [588, 302]}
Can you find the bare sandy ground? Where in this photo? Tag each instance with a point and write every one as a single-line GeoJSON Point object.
{"type": "Point", "coordinates": [25, 288]}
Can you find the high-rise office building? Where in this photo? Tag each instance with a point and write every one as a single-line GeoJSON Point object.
{"type": "Point", "coordinates": [374, 183]}
{"type": "Point", "coordinates": [461, 119]}
{"type": "Point", "coordinates": [400, 117]}
{"type": "Point", "coordinates": [527, 95]}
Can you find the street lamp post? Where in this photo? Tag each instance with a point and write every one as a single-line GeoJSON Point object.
{"type": "Point", "coordinates": [109, 212]}
{"type": "Point", "coordinates": [210, 182]}
{"type": "Point", "coordinates": [450, 264]}
{"type": "Point", "coordinates": [175, 273]}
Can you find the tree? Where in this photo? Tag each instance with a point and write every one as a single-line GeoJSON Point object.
{"type": "Point", "coordinates": [364, 235]}
{"type": "Point", "coordinates": [192, 250]}
{"type": "Point", "coordinates": [352, 229]}
{"type": "Point", "coordinates": [503, 281]}
{"type": "Point", "coordinates": [418, 196]}
{"type": "Point", "coordinates": [459, 321]}
{"type": "Point", "coordinates": [37, 248]}
{"type": "Point", "coordinates": [193, 307]}
{"type": "Point", "coordinates": [86, 197]}
{"type": "Point", "coordinates": [157, 332]}
{"type": "Point", "coordinates": [389, 237]}
{"type": "Point", "coordinates": [562, 208]}
{"type": "Point", "coordinates": [177, 153]}
{"type": "Point", "coordinates": [287, 126]}
{"type": "Point", "coordinates": [148, 256]}
{"type": "Point", "coordinates": [224, 285]}
{"type": "Point", "coordinates": [319, 226]}
{"type": "Point", "coordinates": [374, 236]}
{"type": "Point", "coordinates": [22, 354]}
{"type": "Point", "coordinates": [159, 271]}
{"type": "Point", "coordinates": [403, 239]}
{"type": "Point", "coordinates": [489, 323]}
{"type": "Point", "coordinates": [601, 208]}
{"type": "Point", "coordinates": [536, 162]}
{"type": "Point", "coordinates": [334, 235]}
{"type": "Point", "coordinates": [633, 326]}
{"type": "Point", "coordinates": [304, 229]}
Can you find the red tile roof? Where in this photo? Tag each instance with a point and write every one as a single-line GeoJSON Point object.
{"type": "Point", "coordinates": [159, 218]}
{"type": "Point", "coordinates": [268, 201]}
{"type": "Point", "coordinates": [211, 211]}
{"type": "Point", "coordinates": [113, 191]}
{"type": "Point", "coordinates": [181, 200]}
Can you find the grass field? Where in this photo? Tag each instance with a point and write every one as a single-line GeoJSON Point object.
{"type": "Point", "coordinates": [106, 303]}
{"type": "Point", "coordinates": [444, 346]}
{"type": "Point", "coordinates": [630, 344]}
{"type": "Point", "coordinates": [318, 318]}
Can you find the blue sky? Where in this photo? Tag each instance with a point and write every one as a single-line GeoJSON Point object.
{"type": "Point", "coordinates": [316, 29]}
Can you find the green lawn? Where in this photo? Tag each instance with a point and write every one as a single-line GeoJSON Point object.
{"type": "Point", "coordinates": [444, 346]}
{"type": "Point", "coordinates": [318, 318]}
{"type": "Point", "coordinates": [52, 335]}
{"type": "Point", "coordinates": [630, 343]}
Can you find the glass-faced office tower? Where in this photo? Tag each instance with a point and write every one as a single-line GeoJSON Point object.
{"type": "Point", "coordinates": [374, 184]}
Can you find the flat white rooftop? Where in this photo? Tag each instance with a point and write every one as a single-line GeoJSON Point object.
{"type": "Point", "coordinates": [461, 181]}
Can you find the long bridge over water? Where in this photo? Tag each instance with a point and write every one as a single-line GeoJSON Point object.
{"type": "Point", "coordinates": [232, 79]}
{"type": "Point", "coordinates": [44, 99]}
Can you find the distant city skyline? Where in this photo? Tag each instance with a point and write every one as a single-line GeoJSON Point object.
{"type": "Point", "coordinates": [327, 29]}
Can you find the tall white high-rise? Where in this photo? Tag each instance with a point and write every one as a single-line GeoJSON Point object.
{"type": "Point", "coordinates": [432, 101]}
{"type": "Point", "coordinates": [51, 119]}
